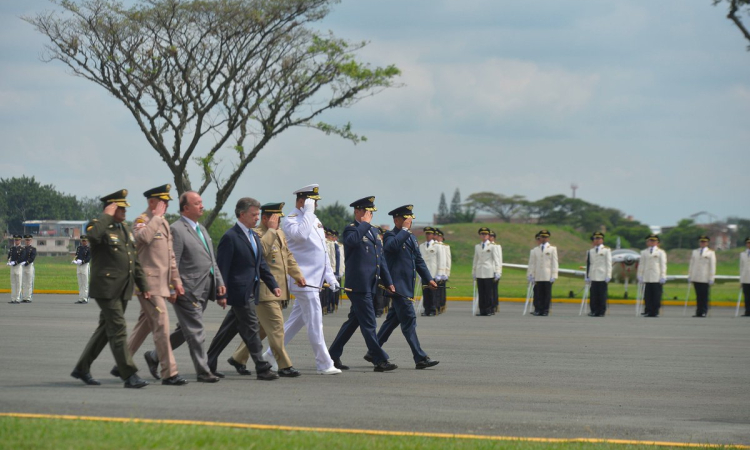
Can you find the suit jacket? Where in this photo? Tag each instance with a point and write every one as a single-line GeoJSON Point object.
{"type": "Point", "coordinates": [702, 267]}
{"type": "Point", "coordinates": [115, 269]}
{"type": "Point", "coordinates": [194, 261]}
{"type": "Point", "coordinates": [543, 265]}
{"type": "Point", "coordinates": [487, 261]}
{"type": "Point", "coordinates": [279, 260]}
{"type": "Point", "coordinates": [744, 267]}
{"type": "Point", "coordinates": [599, 264]}
{"type": "Point", "coordinates": [365, 264]}
{"type": "Point", "coordinates": [653, 265]}
{"type": "Point", "coordinates": [153, 242]}
{"type": "Point", "coordinates": [241, 268]}
{"type": "Point", "coordinates": [404, 260]}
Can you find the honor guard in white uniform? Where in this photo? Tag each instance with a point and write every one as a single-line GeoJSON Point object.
{"type": "Point", "coordinates": [598, 274]}
{"type": "Point", "coordinates": [444, 272]}
{"type": "Point", "coordinates": [702, 273]}
{"type": "Point", "coordinates": [485, 269]}
{"type": "Point", "coordinates": [82, 260]}
{"type": "Point", "coordinates": [307, 242]}
{"type": "Point", "coordinates": [433, 257]}
{"type": "Point", "coordinates": [652, 271]}
{"type": "Point", "coordinates": [16, 255]}
{"type": "Point", "coordinates": [28, 270]}
{"type": "Point", "coordinates": [497, 248]}
{"type": "Point", "coordinates": [745, 275]}
{"type": "Point", "coordinates": [543, 270]}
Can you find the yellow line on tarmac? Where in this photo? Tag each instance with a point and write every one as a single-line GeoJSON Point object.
{"type": "Point", "coordinates": [366, 432]}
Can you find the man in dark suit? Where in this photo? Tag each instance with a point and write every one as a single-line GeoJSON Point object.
{"type": "Point", "coordinates": [201, 280]}
{"type": "Point", "coordinates": [365, 266]}
{"type": "Point", "coordinates": [404, 263]}
{"type": "Point", "coordinates": [241, 262]}
{"type": "Point", "coordinates": [115, 272]}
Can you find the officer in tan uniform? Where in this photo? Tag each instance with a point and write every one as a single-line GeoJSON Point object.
{"type": "Point", "coordinates": [702, 273]}
{"type": "Point", "coordinates": [281, 263]}
{"type": "Point", "coordinates": [153, 242]}
{"type": "Point", "coordinates": [652, 272]}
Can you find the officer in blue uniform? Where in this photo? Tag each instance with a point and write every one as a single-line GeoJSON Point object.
{"type": "Point", "coordinates": [27, 291]}
{"type": "Point", "coordinates": [82, 260]}
{"type": "Point", "coordinates": [404, 262]}
{"type": "Point", "coordinates": [339, 262]}
{"type": "Point", "coordinates": [16, 255]}
{"type": "Point", "coordinates": [365, 266]}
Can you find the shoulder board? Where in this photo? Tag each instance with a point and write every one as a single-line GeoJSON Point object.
{"type": "Point", "coordinates": [351, 224]}
{"type": "Point", "coordinates": [292, 215]}
{"type": "Point", "coordinates": [89, 227]}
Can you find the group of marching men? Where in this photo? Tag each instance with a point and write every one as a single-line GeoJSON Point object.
{"type": "Point", "coordinates": [254, 270]}
{"type": "Point", "coordinates": [21, 261]}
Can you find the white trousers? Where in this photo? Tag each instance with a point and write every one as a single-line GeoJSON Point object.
{"type": "Point", "coordinates": [15, 283]}
{"type": "Point", "coordinates": [28, 281]}
{"type": "Point", "coordinates": [82, 272]}
{"type": "Point", "coordinates": [307, 312]}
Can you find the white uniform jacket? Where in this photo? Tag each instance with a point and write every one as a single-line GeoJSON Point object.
{"type": "Point", "coordinates": [599, 263]}
{"type": "Point", "coordinates": [745, 267]}
{"type": "Point", "coordinates": [652, 265]}
{"type": "Point", "coordinates": [446, 269]}
{"type": "Point", "coordinates": [433, 256]}
{"type": "Point", "coordinates": [486, 262]}
{"type": "Point", "coordinates": [307, 242]}
{"type": "Point", "coordinates": [702, 266]}
{"type": "Point", "coordinates": [543, 264]}
{"type": "Point", "coordinates": [498, 249]}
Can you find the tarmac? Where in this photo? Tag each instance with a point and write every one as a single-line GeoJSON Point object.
{"type": "Point", "coordinates": [672, 378]}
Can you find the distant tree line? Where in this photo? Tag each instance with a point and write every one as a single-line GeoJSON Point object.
{"type": "Point", "coordinates": [457, 213]}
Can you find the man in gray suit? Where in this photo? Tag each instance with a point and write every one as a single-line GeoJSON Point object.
{"type": "Point", "coordinates": [201, 279]}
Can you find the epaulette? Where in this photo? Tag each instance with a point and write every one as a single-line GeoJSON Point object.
{"type": "Point", "coordinates": [90, 224]}
{"type": "Point", "coordinates": [292, 215]}
{"type": "Point", "coordinates": [351, 224]}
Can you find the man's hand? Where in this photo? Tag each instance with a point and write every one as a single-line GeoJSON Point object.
{"type": "Point", "coordinates": [607, 280]}
{"type": "Point", "coordinates": [710, 282]}
{"type": "Point", "coordinates": [367, 217]}
{"type": "Point", "coordinates": [432, 284]}
{"type": "Point", "coordinates": [110, 209]}
{"type": "Point", "coordinates": [309, 205]}
{"type": "Point", "coordinates": [222, 302]}
{"type": "Point", "coordinates": [222, 290]}
{"type": "Point", "coordinates": [301, 282]}
{"type": "Point", "coordinates": [497, 276]}
{"type": "Point", "coordinates": [146, 295]}
{"type": "Point", "coordinates": [552, 280]}
{"type": "Point", "coordinates": [391, 288]}
{"type": "Point", "coordinates": [12, 263]}
{"type": "Point", "coordinates": [662, 280]}
{"type": "Point", "coordinates": [587, 280]}
{"type": "Point", "coordinates": [23, 263]}
{"type": "Point", "coordinates": [640, 279]}
{"type": "Point", "coordinates": [530, 278]}
{"type": "Point", "coordinates": [273, 221]}
{"type": "Point", "coordinates": [407, 223]}
{"type": "Point", "coordinates": [277, 292]}
{"type": "Point", "coordinates": [160, 209]}
{"type": "Point", "coordinates": [179, 290]}
{"type": "Point", "coordinates": [172, 298]}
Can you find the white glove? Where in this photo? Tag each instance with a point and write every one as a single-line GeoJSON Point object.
{"type": "Point", "coordinates": [530, 278]}
{"type": "Point", "coordinates": [640, 279]}
{"type": "Point", "coordinates": [309, 205]}
{"type": "Point", "coordinates": [688, 280]}
{"type": "Point", "coordinates": [12, 263]}
{"type": "Point", "coordinates": [497, 276]}
{"type": "Point", "coordinates": [23, 263]}
{"type": "Point", "coordinates": [334, 287]}
{"type": "Point", "coordinates": [711, 282]}
{"type": "Point", "coordinates": [78, 262]}
{"type": "Point", "coordinates": [8, 263]}
{"type": "Point", "coordinates": [607, 280]}
{"type": "Point", "coordinates": [662, 280]}
{"type": "Point", "coordinates": [587, 280]}
{"type": "Point", "coordinates": [552, 280]}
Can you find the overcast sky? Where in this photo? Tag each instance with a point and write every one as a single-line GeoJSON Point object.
{"type": "Point", "coordinates": [643, 104]}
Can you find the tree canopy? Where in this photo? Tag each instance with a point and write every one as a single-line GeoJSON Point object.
{"type": "Point", "coordinates": [211, 83]}
{"type": "Point", "coordinates": [25, 198]}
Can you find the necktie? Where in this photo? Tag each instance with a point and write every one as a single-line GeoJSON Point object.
{"type": "Point", "coordinates": [203, 239]}
{"type": "Point", "coordinates": [542, 247]}
{"type": "Point", "coordinates": [652, 249]}
{"type": "Point", "coordinates": [701, 251]}
{"type": "Point", "coordinates": [597, 249]}
{"type": "Point", "coordinates": [483, 245]}
{"type": "Point", "coordinates": [254, 246]}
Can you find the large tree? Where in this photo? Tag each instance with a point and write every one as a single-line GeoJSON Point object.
{"type": "Point", "coordinates": [504, 207]}
{"type": "Point", "coordinates": [736, 8]}
{"type": "Point", "coordinates": [25, 198]}
{"type": "Point", "coordinates": [212, 82]}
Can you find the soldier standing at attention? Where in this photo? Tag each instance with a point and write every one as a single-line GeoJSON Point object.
{"type": "Point", "coordinates": [598, 274]}
{"type": "Point", "coordinates": [702, 273]}
{"type": "Point", "coordinates": [652, 271]}
{"type": "Point", "coordinates": [433, 257]}
{"type": "Point", "coordinates": [485, 269]}
{"type": "Point", "coordinates": [745, 275]}
{"type": "Point", "coordinates": [543, 267]}
{"type": "Point", "coordinates": [498, 249]}
{"type": "Point", "coordinates": [28, 270]}
{"type": "Point", "coordinates": [82, 259]}
{"type": "Point", "coordinates": [444, 272]}
{"type": "Point", "coordinates": [16, 255]}
{"type": "Point", "coordinates": [116, 272]}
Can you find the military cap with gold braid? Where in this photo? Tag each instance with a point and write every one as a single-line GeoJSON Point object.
{"type": "Point", "coordinates": [653, 237]}
{"type": "Point", "coordinates": [84, 238]}
{"type": "Point", "coordinates": [118, 198]}
{"type": "Point", "coordinates": [28, 237]}
{"type": "Point", "coordinates": [429, 230]}
{"type": "Point", "coordinates": [544, 233]}
{"type": "Point", "coordinates": [439, 232]}
{"type": "Point", "coordinates": [483, 230]}
{"type": "Point", "coordinates": [17, 237]}
{"type": "Point", "coordinates": [161, 192]}
{"type": "Point", "coordinates": [747, 239]}
{"type": "Point", "coordinates": [309, 191]}
{"type": "Point", "coordinates": [367, 203]}
{"type": "Point", "coordinates": [597, 234]}
{"type": "Point", "coordinates": [493, 234]}
{"type": "Point", "coordinates": [405, 211]}
{"type": "Point", "coordinates": [704, 238]}
{"type": "Point", "coordinates": [273, 208]}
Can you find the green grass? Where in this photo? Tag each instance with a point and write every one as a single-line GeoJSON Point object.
{"type": "Point", "coordinates": [55, 434]}
{"type": "Point", "coordinates": [516, 239]}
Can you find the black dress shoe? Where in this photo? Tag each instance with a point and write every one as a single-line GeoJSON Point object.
{"type": "Point", "coordinates": [368, 358]}
{"type": "Point", "coordinates": [25, 301]}
{"type": "Point", "coordinates": [135, 382]}
{"type": "Point", "coordinates": [268, 375]}
{"type": "Point", "coordinates": [699, 315]}
{"type": "Point", "coordinates": [427, 362]}
{"type": "Point", "coordinates": [115, 372]}
{"type": "Point", "coordinates": [339, 365]}
{"type": "Point", "coordinates": [174, 381]}
{"type": "Point", "coordinates": [241, 368]}
{"type": "Point", "coordinates": [746, 315]}
{"type": "Point", "coordinates": [385, 366]}
{"type": "Point", "coordinates": [153, 365]}
{"type": "Point", "coordinates": [289, 372]}
{"type": "Point", "coordinates": [544, 314]}
{"type": "Point", "coordinates": [591, 314]}
{"type": "Point", "coordinates": [536, 313]}
{"type": "Point", "coordinates": [208, 378]}
{"type": "Point", "coordinates": [85, 377]}
{"type": "Point", "coordinates": [219, 374]}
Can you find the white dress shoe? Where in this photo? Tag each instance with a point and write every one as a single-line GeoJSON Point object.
{"type": "Point", "coordinates": [330, 371]}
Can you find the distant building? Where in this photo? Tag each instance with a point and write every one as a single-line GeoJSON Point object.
{"type": "Point", "coordinates": [55, 237]}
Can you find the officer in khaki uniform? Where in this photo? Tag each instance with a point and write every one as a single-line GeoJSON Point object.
{"type": "Point", "coordinates": [652, 272]}
{"type": "Point", "coordinates": [82, 260]}
{"type": "Point", "coordinates": [598, 274]}
{"type": "Point", "coordinates": [745, 275]}
{"type": "Point", "coordinates": [281, 263]}
{"type": "Point", "coordinates": [702, 273]}
{"type": "Point", "coordinates": [16, 255]}
{"type": "Point", "coordinates": [115, 273]}
{"type": "Point", "coordinates": [28, 270]}
{"type": "Point", "coordinates": [153, 242]}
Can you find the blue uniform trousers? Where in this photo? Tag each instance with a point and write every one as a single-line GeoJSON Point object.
{"type": "Point", "coordinates": [361, 315]}
{"type": "Point", "coordinates": [402, 312]}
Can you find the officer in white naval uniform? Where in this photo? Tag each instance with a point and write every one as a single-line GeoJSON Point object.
{"type": "Point", "coordinates": [485, 269]}
{"type": "Point", "coordinates": [745, 275]}
{"type": "Point", "coordinates": [652, 271]}
{"type": "Point", "coordinates": [702, 273]}
{"type": "Point", "coordinates": [543, 268]}
{"type": "Point", "coordinates": [433, 257]}
{"type": "Point", "coordinates": [307, 242]}
{"type": "Point", "coordinates": [598, 274]}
